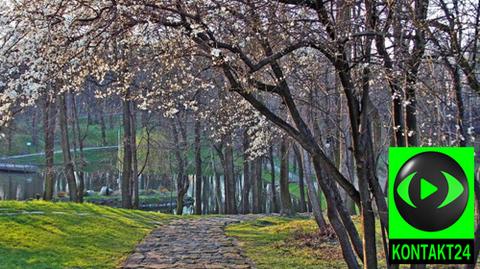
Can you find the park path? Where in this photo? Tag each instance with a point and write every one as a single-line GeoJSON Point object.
{"type": "Point", "coordinates": [191, 243]}
{"type": "Point", "coordinates": [9, 158]}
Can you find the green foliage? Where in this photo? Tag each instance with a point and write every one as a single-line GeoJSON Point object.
{"type": "Point", "coordinates": [294, 189]}
{"type": "Point", "coordinates": [67, 235]}
{"type": "Point", "coordinates": [153, 147]}
{"type": "Point", "coordinates": [206, 155]}
{"type": "Point", "coordinates": [268, 242]}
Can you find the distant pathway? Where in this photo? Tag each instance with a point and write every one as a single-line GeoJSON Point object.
{"type": "Point", "coordinates": [7, 164]}
{"type": "Point", "coordinates": [55, 152]}
{"type": "Point", "coordinates": [191, 243]}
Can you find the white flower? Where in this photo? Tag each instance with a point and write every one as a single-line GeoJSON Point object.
{"type": "Point", "coordinates": [471, 130]}
{"type": "Point", "coordinates": [171, 112]}
{"type": "Point", "coordinates": [215, 52]}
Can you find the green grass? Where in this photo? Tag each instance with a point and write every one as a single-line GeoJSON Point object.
{"type": "Point", "coordinates": [93, 137]}
{"type": "Point", "coordinates": [95, 159]}
{"type": "Point", "coordinates": [273, 242]}
{"type": "Point", "coordinates": [69, 235]}
{"type": "Point", "coordinates": [269, 242]}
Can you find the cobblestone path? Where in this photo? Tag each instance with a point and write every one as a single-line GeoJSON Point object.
{"type": "Point", "coordinates": [191, 243]}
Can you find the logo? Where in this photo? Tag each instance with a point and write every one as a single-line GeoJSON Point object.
{"type": "Point", "coordinates": [430, 199]}
{"type": "Point", "coordinates": [431, 191]}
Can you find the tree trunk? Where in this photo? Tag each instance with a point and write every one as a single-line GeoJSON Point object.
{"type": "Point", "coordinates": [413, 64]}
{"type": "Point", "coordinates": [133, 145]}
{"type": "Point", "coordinates": [111, 121]}
{"type": "Point", "coordinates": [218, 194]}
{"type": "Point", "coordinates": [274, 187]}
{"type": "Point", "coordinates": [342, 231]}
{"type": "Point", "coordinates": [312, 193]}
{"type": "Point", "coordinates": [10, 136]}
{"type": "Point", "coordinates": [35, 130]}
{"type": "Point", "coordinates": [65, 143]}
{"type": "Point", "coordinates": [181, 191]}
{"type": "Point", "coordinates": [198, 169]}
{"type": "Point", "coordinates": [368, 218]}
{"type": "Point", "coordinates": [182, 180]}
{"type": "Point", "coordinates": [230, 197]}
{"type": "Point", "coordinates": [218, 187]}
{"type": "Point", "coordinates": [205, 195]}
{"type": "Point", "coordinates": [127, 154]}
{"type": "Point", "coordinates": [299, 159]}
{"type": "Point", "coordinates": [79, 165]}
{"type": "Point", "coordinates": [49, 116]}
{"type": "Point", "coordinates": [350, 161]}
{"type": "Point", "coordinates": [457, 87]}
{"type": "Point", "coordinates": [286, 200]}
{"type": "Point", "coordinates": [101, 115]}
{"type": "Point", "coordinates": [258, 187]}
{"type": "Point", "coordinates": [246, 176]}
{"type": "Point", "coordinates": [411, 119]}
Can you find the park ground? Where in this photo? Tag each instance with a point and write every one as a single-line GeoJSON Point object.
{"type": "Point", "coordinates": [49, 235]}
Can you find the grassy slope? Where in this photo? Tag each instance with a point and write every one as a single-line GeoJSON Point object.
{"type": "Point", "coordinates": [271, 243]}
{"type": "Point", "coordinates": [83, 236]}
{"type": "Point", "coordinates": [23, 136]}
{"type": "Point", "coordinates": [267, 242]}
{"type": "Point", "coordinates": [95, 159]}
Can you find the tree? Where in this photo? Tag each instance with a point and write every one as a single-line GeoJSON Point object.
{"type": "Point", "coordinates": [286, 200]}
{"type": "Point", "coordinates": [49, 116]}
{"type": "Point", "coordinates": [225, 154]}
{"type": "Point", "coordinates": [261, 62]}
{"type": "Point", "coordinates": [301, 182]}
{"type": "Point", "coordinates": [246, 176]}
{"type": "Point", "coordinates": [127, 172]}
{"type": "Point", "coordinates": [67, 157]}
{"type": "Point", "coordinates": [257, 185]}
{"type": "Point", "coordinates": [198, 169]}
{"type": "Point", "coordinates": [78, 139]}
{"type": "Point", "coordinates": [274, 187]}
{"type": "Point", "coordinates": [457, 45]}
{"type": "Point", "coordinates": [182, 177]}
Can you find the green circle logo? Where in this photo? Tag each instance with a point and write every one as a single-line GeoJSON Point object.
{"type": "Point", "coordinates": [431, 191]}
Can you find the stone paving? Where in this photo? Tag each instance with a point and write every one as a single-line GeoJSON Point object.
{"type": "Point", "coordinates": [191, 243]}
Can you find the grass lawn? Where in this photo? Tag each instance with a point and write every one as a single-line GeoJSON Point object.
{"type": "Point", "coordinates": [284, 243]}
{"type": "Point", "coordinates": [66, 235]}
{"type": "Point", "coordinates": [271, 242]}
